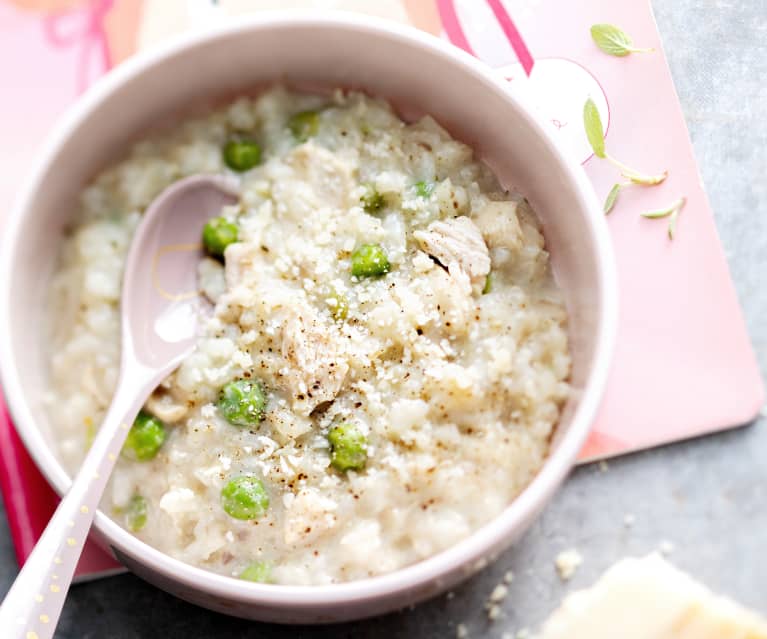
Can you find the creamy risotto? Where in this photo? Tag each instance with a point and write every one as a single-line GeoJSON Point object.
{"type": "Point", "coordinates": [383, 365]}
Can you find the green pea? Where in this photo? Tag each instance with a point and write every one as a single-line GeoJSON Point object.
{"type": "Point", "coordinates": [244, 498]}
{"type": "Point", "coordinates": [136, 513]}
{"type": "Point", "coordinates": [339, 306]}
{"type": "Point", "coordinates": [217, 234]}
{"type": "Point", "coordinates": [242, 155]}
{"type": "Point", "coordinates": [348, 447]}
{"type": "Point", "coordinates": [372, 200]}
{"type": "Point", "coordinates": [304, 125]}
{"type": "Point", "coordinates": [145, 438]}
{"type": "Point", "coordinates": [242, 402]}
{"type": "Point", "coordinates": [258, 572]}
{"type": "Point", "coordinates": [488, 284]}
{"type": "Point", "coordinates": [370, 260]}
{"type": "Point", "coordinates": [424, 189]}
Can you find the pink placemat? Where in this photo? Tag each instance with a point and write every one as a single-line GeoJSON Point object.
{"type": "Point", "coordinates": [684, 364]}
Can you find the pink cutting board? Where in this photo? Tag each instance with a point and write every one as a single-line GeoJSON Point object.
{"type": "Point", "coordinates": [684, 365]}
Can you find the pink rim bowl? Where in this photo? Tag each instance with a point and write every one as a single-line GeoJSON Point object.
{"type": "Point", "coordinates": [418, 74]}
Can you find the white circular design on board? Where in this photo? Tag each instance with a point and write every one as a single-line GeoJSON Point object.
{"type": "Point", "coordinates": [559, 88]}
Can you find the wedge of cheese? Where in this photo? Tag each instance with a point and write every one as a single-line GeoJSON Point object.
{"type": "Point", "coordinates": [650, 599]}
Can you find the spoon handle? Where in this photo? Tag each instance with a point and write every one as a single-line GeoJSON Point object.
{"type": "Point", "coordinates": [32, 606]}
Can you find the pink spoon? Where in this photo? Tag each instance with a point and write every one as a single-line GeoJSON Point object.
{"type": "Point", "coordinates": [159, 310]}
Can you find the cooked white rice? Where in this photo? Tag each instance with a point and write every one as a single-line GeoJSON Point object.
{"type": "Point", "coordinates": [457, 390]}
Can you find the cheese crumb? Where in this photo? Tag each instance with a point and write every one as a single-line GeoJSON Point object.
{"type": "Point", "coordinates": [461, 632]}
{"type": "Point", "coordinates": [629, 520]}
{"type": "Point", "coordinates": [491, 605]}
{"type": "Point", "coordinates": [603, 466]}
{"type": "Point", "coordinates": [567, 562]}
{"type": "Point", "coordinates": [666, 547]}
{"type": "Point", "coordinates": [499, 593]}
{"type": "Point", "coordinates": [508, 577]}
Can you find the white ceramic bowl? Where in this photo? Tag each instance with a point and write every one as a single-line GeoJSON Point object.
{"type": "Point", "coordinates": [418, 73]}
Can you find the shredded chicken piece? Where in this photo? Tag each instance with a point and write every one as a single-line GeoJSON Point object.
{"type": "Point", "coordinates": [451, 292]}
{"type": "Point", "coordinates": [166, 407]}
{"type": "Point", "coordinates": [499, 225]}
{"type": "Point", "coordinates": [316, 364]}
{"type": "Point", "coordinates": [458, 245]}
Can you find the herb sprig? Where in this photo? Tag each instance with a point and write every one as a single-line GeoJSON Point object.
{"type": "Point", "coordinates": [612, 196]}
{"type": "Point", "coordinates": [595, 133]}
{"type": "Point", "coordinates": [672, 212]}
{"type": "Point", "coordinates": [614, 41]}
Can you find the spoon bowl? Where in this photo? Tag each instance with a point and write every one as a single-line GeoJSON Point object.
{"type": "Point", "coordinates": [160, 297]}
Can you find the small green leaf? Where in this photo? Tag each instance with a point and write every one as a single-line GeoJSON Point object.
{"type": "Point", "coordinates": [672, 224]}
{"type": "Point", "coordinates": [671, 211]}
{"type": "Point", "coordinates": [674, 217]}
{"type": "Point", "coordinates": [613, 40]}
{"type": "Point", "coordinates": [595, 132]}
{"type": "Point", "coordinates": [612, 196]}
{"type": "Point", "coordinates": [658, 214]}
{"type": "Point", "coordinates": [646, 180]}
{"type": "Point", "coordinates": [424, 189]}
{"type": "Point", "coordinates": [372, 201]}
{"type": "Point", "coordinates": [136, 513]}
{"type": "Point", "coordinates": [304, 125]}
{"type": "Point", "coordinates": [488, 284]}
{"type": "Point", "coordinates": [259, 572]}
{"type": "Point", "coordinates": [635, 176]}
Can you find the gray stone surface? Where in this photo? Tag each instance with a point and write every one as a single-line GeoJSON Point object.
{"type": "Point", "coordinates": [708, 497]}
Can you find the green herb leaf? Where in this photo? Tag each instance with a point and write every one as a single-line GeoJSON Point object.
{"type": "Point", "coordinates": [136, 513]}
{"type": "Point", "coordinates": [613, 40]}
{"type": "Point", "coordinates": [674, 217]}
{"type": "Point", "coordinates": [612, 196]}
{"type": "Point", "coordinates": [671, 211]}
{"type": "Point", "coordinates": [672, 224]}
{"type": "Point", "coordinates": [258, 572]}
{"type": "Point", "coordinates": [658, 214]}
{"type": "Point", "coordinates": [424, 189]}
{"type": "Point", "coordinates": [304, 125]}
{"type": "Point", "coordinates": [488, 287]}
{"type": "Point", "coordinates": [646, 180]}
{"type": "Point", "coordinates": [595, 132]}
{"type": "Point", "coordinates": [372, 201]}
{"type": "Point", "coordinates": [635, 176]}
